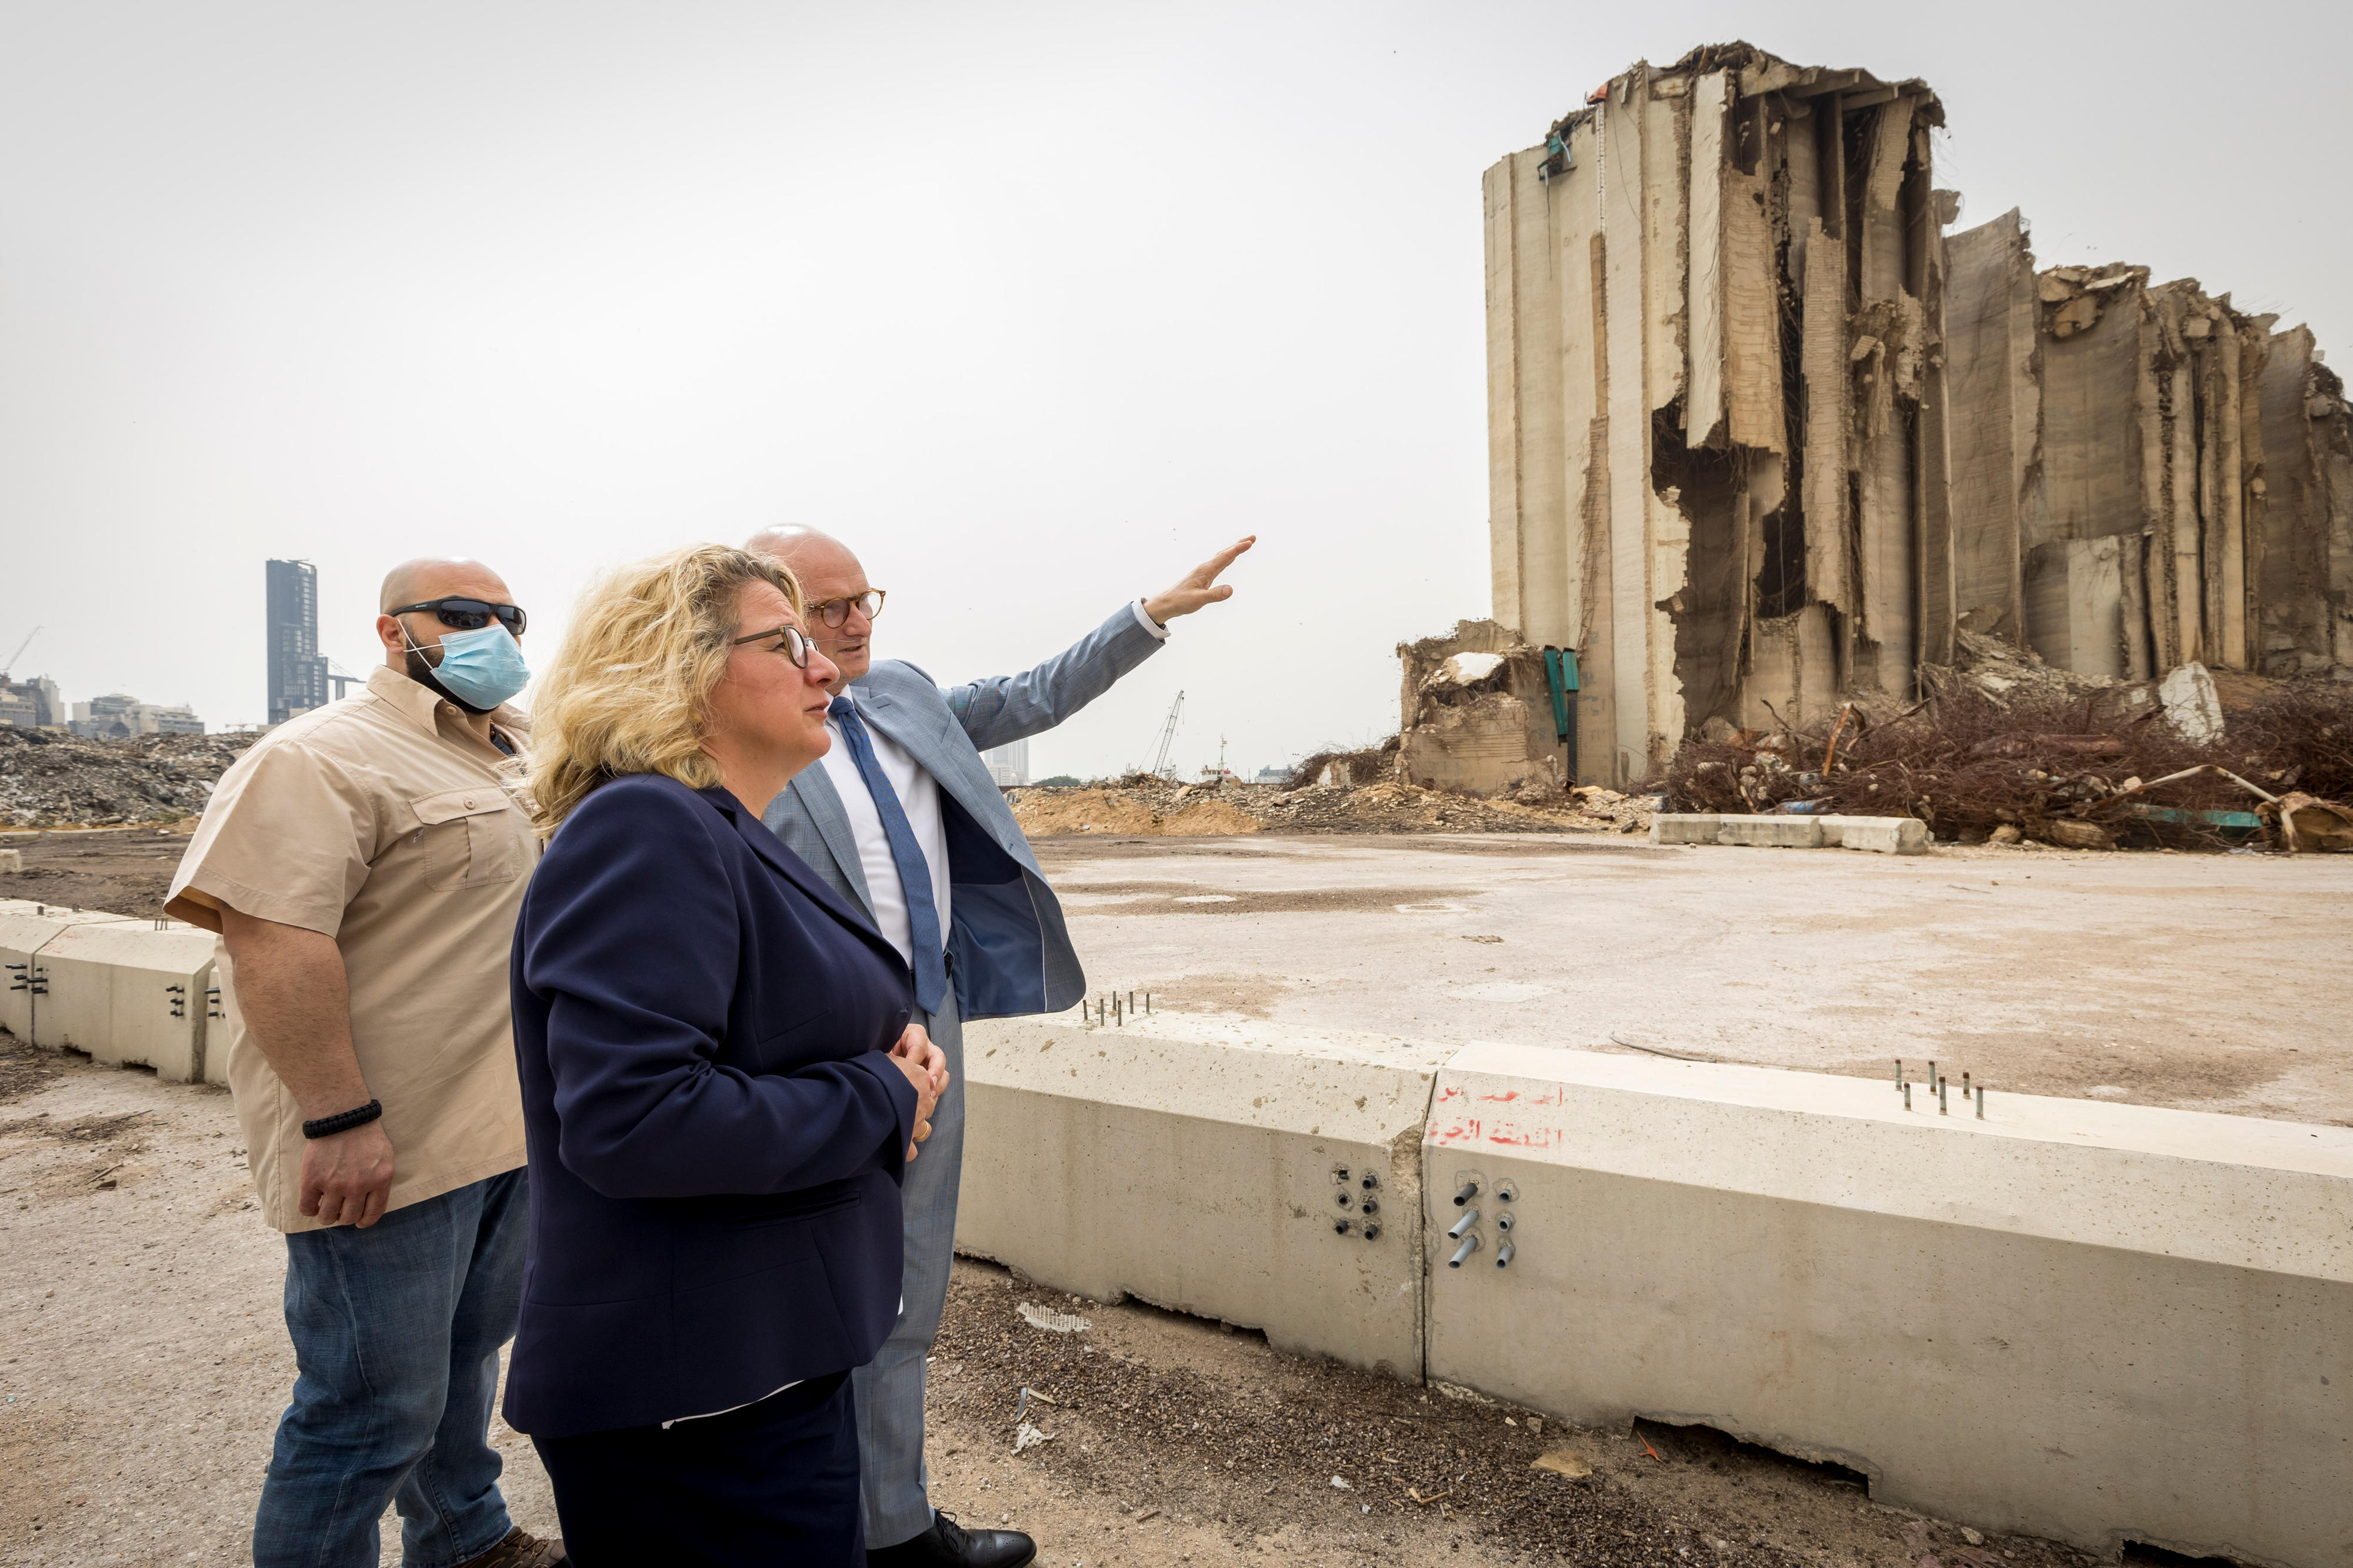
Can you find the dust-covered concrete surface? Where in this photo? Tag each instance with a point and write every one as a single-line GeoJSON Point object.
{"type": "Point", "coordinates": [2209, 981]}
{"type": "Point", "coordinates": [142, 1366]}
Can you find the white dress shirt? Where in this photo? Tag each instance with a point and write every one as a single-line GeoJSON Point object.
{"type": "Point", "coordinates": [919, 797]}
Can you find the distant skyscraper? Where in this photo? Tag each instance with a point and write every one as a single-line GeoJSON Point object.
{"type": "Point", "coordinates": [297, 675]}
{"type": "Point", "coordinates": [1009, 765]}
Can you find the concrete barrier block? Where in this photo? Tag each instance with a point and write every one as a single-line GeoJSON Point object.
{"type": "Point", "coordinates": [1771, 832]}
{"type": "Point", "coordinates": [26, 928]}
{"type": "Point", "coordinates": [130, 995]}
{"type": "Point", "coordinates": [1683, 828]}
{"type": "Point", "coordinates": [2086, 1322]}
{"type": "Point", "coordinates": [1210, 1168]}
{"type": "Point", "coordinates": [1879, 835]}
{"type": "Point", "coordinates": [221, 1019]}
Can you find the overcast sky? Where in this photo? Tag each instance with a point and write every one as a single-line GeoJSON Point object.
{"type": "Point", "coordinates": [1034, 304]}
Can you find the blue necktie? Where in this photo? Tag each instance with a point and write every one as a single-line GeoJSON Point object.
{"type": "Point", "coordinates": [914, 871]}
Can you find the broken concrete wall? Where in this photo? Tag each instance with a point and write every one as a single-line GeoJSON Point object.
{"type": "Point", "coordinates": [1716, 396]}
{"type": "Point", "coordinates": [1476, 710]}
{"type": "Point", "coordinates": [2177, 497]}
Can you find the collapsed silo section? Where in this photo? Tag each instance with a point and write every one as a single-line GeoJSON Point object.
{"type": "Point", "coordinates": [2143, 476]}
{"type": "Point", "coordinates": [1716, 426]}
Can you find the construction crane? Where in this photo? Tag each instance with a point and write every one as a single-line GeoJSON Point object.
{"type": "Point", "coordinates": [1167, 738]}
{"type": "Point", "coordinates": [21, 646]}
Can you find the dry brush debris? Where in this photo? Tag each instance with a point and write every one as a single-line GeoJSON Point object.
{"type": "Point", "coordinates": [2008, 747]}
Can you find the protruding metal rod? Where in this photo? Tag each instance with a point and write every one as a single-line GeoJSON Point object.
{"type": "Point", "coordinates": [1147, 1001]}
{"type": "Point", "coordinates": [1339, 1227]}
{"type": "Point", "coordinates": [1503, 1256]}
{"type": "Point", "coordinates": [1965, 1091]}
{"type": "Point", "coordinates": [1469, 1190]}
{"type": "Point", "coordinates": [1470, 1244]}
{"type": "Point", "coordinates": [1944, 1097]}
{"type": "Point", "coordinates": [1981, 1102]}
{"type": "Point", "coordinates": [1907, 1097]}
{"type": "Point", "coordinates": [1455, 1232]}
{"type": "Point", "coordinates": [1899, 1072]}
{"type": "Point", "coordinates": [1503, 1222]}
{"type": "Point", "coordinates": [1372, 1231]}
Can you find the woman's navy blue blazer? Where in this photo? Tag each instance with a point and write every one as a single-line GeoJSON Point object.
{"type": "Point", "coordinates": [715, 1129]}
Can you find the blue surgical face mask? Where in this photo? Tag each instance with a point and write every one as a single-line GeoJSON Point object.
{"type": "Point", "coordinates": [477, 671]}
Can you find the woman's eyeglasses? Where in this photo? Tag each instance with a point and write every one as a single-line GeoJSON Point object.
{"type": "Point", "coordinates": [834, 612]}
{"type": "Point", "coordinates": [468, 614]}
{"type": "Point", "coordinates": [789, 642]}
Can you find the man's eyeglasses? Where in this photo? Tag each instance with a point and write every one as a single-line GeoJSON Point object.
{"type": "Point", "coordinates": [789, 642]}
{"type": "Point", "coordinates": [468, 614]}
{"type": "Point", "coordinates": [834, 612]}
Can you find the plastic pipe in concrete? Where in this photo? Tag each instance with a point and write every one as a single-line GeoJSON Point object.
{"type": "Point", "coordinates": [128, 994]}
{"type": "Point", "coordinates": [1216, 1169]}
{"type": "Point", "coordinates": [26, 928]}
{"type": "Point", "coordinates": [2074, 1320]}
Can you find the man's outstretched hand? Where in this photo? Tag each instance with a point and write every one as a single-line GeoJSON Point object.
{"type": "Point", "coordinates": [1200, 586]}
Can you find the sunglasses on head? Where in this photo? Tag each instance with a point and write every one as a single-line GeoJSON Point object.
{"type": "Point", "coordinates": [789, 642]}
{"type": "Point", "coordinates": [468, 614]}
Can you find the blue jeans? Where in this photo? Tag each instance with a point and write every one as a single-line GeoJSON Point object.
{"type": "Point", "coordinates": [397, 1331]}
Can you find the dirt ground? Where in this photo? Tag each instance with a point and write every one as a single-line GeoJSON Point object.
{"type": "Point", "coordinates": [124, 871]}
{"type": "Point", "coordinates": [143, 1365]}
{"type": "Point", "coordinates": [1142, 804]}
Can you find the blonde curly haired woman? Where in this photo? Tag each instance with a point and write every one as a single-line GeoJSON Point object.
{"type": "Point", "coordinates": [720, 1088]}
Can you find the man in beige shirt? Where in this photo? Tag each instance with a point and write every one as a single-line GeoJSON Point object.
{"type": "Point", "coordinates": [363, 864]}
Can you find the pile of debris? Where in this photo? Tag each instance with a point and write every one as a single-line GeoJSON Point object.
{"type": "Point", "coordinates": [1142, 804]}
{"type": "Point", "coordinates": [2006, 747]}
{"type": "Point", "coordinates": [53, 780]}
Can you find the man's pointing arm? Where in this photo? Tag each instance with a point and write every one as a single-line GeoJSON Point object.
{"type": "Point", "coordinates": [1008, 708]}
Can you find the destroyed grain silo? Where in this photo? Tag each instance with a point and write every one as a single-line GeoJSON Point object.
{"type": "Point", "coordinates": [2144, 477]}
{"type": "Point", "coordinates": [1763, 441]}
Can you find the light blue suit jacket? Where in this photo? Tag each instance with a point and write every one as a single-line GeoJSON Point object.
{"type": "Point", "coordinates": [1008, 951]}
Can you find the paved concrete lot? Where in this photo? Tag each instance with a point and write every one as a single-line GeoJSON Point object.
{"type": "Point", "coordinates": [2219, 982]}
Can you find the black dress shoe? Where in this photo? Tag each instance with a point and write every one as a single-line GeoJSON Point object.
{"type": "Point", "coordinates": [948, 1544]}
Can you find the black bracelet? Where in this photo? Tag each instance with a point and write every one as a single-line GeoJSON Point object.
{"type": "Point", "coordinates": [344, 1120]}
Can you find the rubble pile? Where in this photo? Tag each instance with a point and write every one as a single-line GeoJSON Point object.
{"type": "Point", "coordinates": [53, 780]}
{"type": "Point", "coordinates": [2008, 748]}
{"type": "Point", "coordinates": [1367, 764]}
{"type": "Point", "coordinates": [1145, 805]}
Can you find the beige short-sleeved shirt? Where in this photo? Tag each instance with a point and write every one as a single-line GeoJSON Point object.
{"type": "Point", "coordinates": [381, 821]}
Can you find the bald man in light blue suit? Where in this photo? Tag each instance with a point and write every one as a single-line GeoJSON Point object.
{"type": "Point", "coordinates": [903, 819]}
